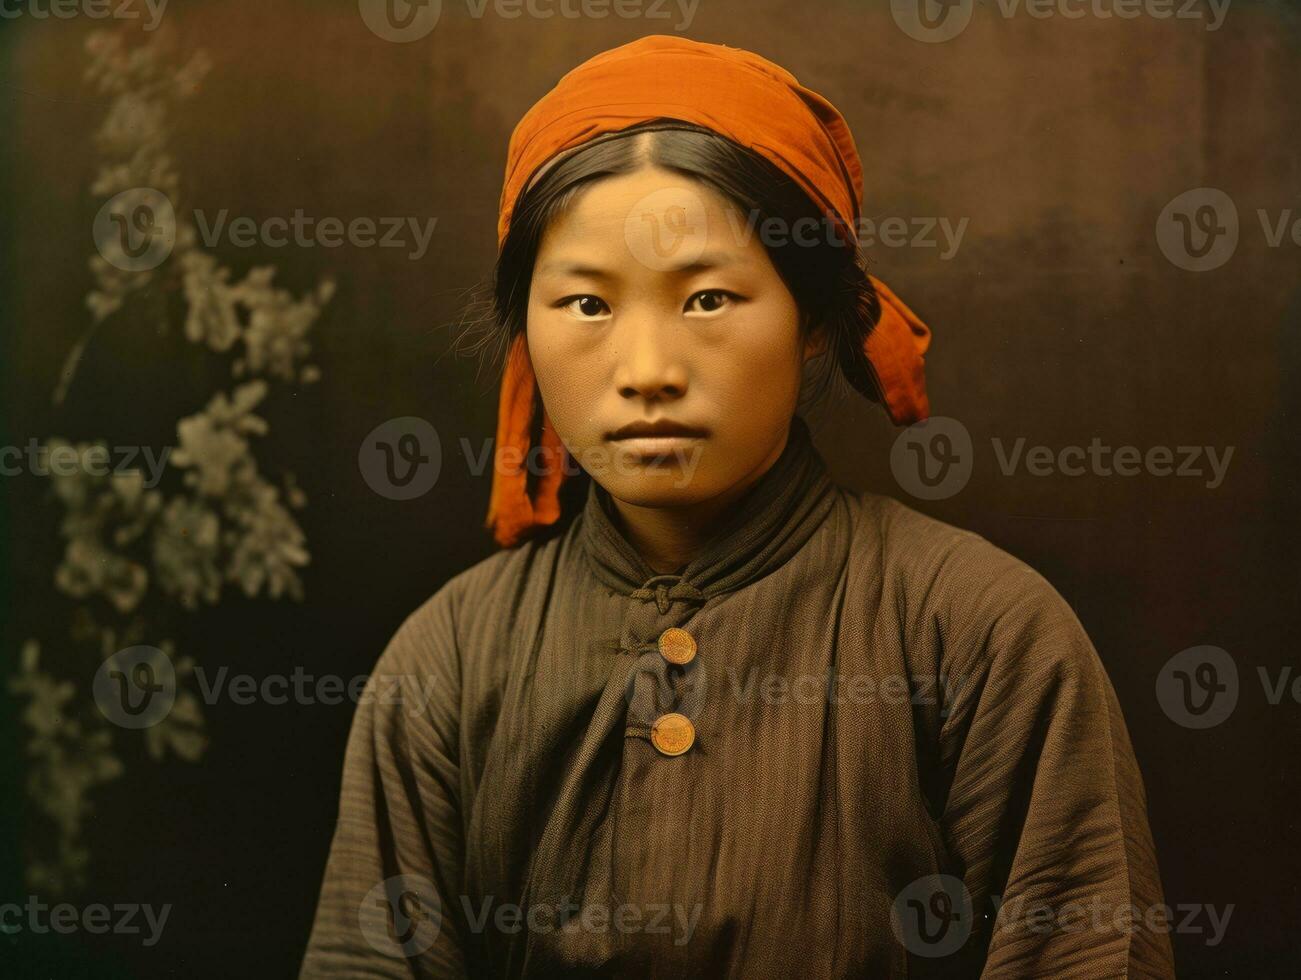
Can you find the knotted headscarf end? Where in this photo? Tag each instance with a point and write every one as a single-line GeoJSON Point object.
{"type": "Point", "coordinates": [512, 511]}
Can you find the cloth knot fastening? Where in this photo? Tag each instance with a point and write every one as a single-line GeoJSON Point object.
{"type": "Point", "coordinates": [664, 589]}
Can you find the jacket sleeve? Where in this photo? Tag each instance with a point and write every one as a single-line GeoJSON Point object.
{"type": "Point", "coordinates": [1046, 811]}
{"type": "Point", "coordinates": [388, 905]}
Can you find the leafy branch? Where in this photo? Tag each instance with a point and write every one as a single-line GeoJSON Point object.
{"type": "Point", "coordinates": [136, 559]}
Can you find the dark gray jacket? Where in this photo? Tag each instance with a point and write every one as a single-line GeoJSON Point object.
{"type": "Point", "coordinates": [907, 760]}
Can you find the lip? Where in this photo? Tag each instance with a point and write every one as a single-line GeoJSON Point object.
{"type": "Point", "coordinates": [656, 445]}
{"type": "Point", "coordinates": [667, 431]}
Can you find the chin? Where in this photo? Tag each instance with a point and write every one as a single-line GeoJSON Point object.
{"type": "Point", "coordinates": [678, 478]}
{"type": "Point", "coordinates": [658, 487]}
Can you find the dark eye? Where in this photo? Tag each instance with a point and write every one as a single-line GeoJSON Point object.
{"type": "Point", "coordinates": [587, 306]}
{"type": "Point", "coordinates": [713, 300]}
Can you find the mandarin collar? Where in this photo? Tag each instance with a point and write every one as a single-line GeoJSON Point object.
{"type": "Point", "coordinates": [765, 528]}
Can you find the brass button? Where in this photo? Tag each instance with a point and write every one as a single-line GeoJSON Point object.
{"type": "Point", "coordinates": [677, 646]}
{"type": "Point", "coordinates": [673, 733]}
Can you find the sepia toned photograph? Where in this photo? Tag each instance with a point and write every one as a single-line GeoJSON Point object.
{"type": "Point", "coordinates": [650, 489]}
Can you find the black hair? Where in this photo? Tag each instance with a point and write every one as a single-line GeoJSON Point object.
{"type": "Point", "coordinates": [825, 274]}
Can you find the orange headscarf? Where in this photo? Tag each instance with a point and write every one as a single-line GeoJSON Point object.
{"type": "Point", "coordinates": [754, 103]}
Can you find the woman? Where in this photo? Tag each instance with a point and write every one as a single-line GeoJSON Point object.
{"type": "Point", "coordinates": [708, 714]}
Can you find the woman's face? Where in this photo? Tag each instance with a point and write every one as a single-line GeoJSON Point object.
{"type": "Point", "coordinates": [653, 300]}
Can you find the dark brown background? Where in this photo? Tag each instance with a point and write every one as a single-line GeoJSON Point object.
{"type": "Point", "coordinates": [1058, 320]}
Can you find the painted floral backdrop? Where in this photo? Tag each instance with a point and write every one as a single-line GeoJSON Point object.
{"type": "Point", "coordinates": [138, 559]}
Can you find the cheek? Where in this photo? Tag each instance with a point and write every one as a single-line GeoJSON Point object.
{"type": "Point", "coordinates": [767, 358]}
{"type": "Point", "coordinates": [546, 344]}
{"type": "Point", "coordinates": [564, 372]}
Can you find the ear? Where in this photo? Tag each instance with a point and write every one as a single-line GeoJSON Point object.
{"type": "Point", "coordinates": [815, 341]}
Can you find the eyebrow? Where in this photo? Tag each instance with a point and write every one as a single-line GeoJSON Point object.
{"type": "Point", "coordinates": [703, 262]}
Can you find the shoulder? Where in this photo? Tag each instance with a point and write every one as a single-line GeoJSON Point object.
{"type": "Point", "coordinates": [971, 596]}
{"type": "Point", "coordinates": [921, 553]}
{"type": "Point", "coordinates": [485, 597]}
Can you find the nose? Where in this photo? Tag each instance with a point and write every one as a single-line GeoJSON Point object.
{"type": "Point", "coordinates": [650, 366]}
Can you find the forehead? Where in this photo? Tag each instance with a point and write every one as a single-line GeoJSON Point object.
{"type": "Point", "coordinates": [660, 219]}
